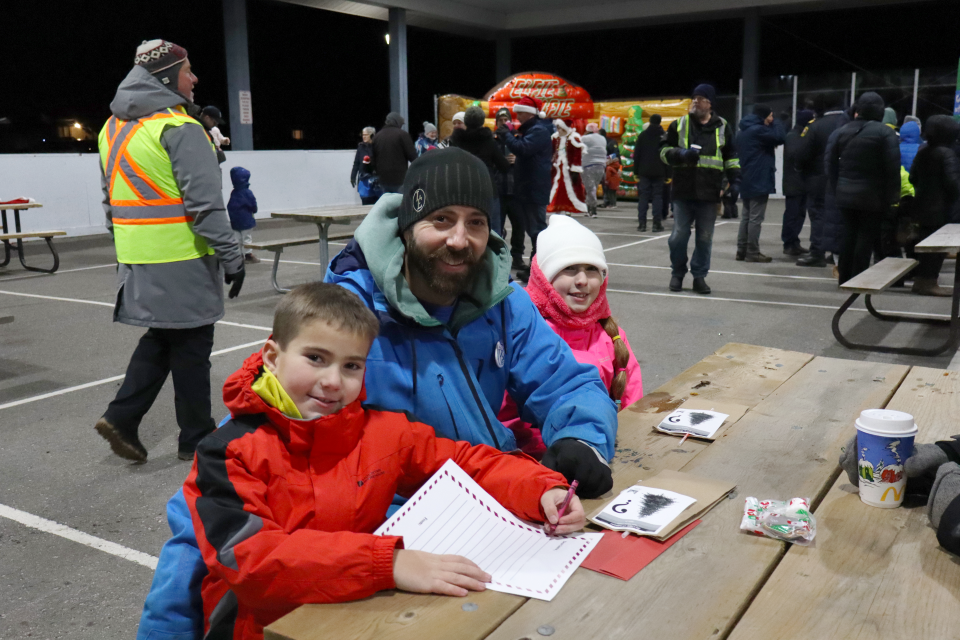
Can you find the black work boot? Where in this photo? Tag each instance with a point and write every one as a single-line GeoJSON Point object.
{"type": "Point", "coordinates": [700, 286]}
{"type": "Point", "coordinates": [657, 226]}
{"type": "Point", "coordinates": [642, 226]}
{"type": "Point", "coordinates": [676, 283]}
{"type": "Point", "coordinates": [812, 260]}
{"type": "Point", "coordinates": [125, 445]}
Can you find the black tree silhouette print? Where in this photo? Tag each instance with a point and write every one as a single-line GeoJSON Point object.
{"type": "Point", "coordinates": [654, 502]}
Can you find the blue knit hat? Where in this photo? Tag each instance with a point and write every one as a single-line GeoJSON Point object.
{"type": "Point", "coordinates": [707, 91]}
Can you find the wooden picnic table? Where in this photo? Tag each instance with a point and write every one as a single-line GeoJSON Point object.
{"type": "Point", "coordinates": [323, 217]}
{"type": "Point", "coordinates": [17, 208]}
{"type": "Point", "coordinates": [791, 414]}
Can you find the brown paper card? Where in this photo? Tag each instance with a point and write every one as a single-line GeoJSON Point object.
{"type": "Point", "coordinates": [705, 491]}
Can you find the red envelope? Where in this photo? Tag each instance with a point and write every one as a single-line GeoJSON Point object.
{"type": "Point", "coordinates": [624, 557]}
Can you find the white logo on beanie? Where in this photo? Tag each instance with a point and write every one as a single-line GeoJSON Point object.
{"type": "Point", "coordinates": [419, 200]}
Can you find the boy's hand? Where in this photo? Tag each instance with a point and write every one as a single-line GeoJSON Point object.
{"type": "Point", "coordinates": [422, 572]}
{"type": "Point", "coordinates": [573, 520]}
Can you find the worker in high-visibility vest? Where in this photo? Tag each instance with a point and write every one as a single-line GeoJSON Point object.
{"type": "Point", "coordinates": [701, 149]}
{"type": "Point", "coordinates": [164, 206]}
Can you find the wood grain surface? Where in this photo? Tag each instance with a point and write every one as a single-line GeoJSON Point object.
{"type": "Point", "coordinates": [786, 446]}
{"type": "Point", "coordinates": [873, 573]}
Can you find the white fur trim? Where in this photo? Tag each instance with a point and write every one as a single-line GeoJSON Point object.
{"type": "Point", "coordinates": [459, 115]}
{"type": "Point", "coordinates": [562, 164]}
{"type": "Point", "coordinates": [522, 108]}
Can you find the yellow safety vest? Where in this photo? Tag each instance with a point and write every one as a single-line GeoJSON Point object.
{"type": "Point", "coordinates": [706, 162]}
{"type": "Point", "coordinates": [150, 222]}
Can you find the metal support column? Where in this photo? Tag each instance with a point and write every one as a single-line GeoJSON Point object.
{"type": "Point", "coordinates": [916, 88]}
{"type": "Point", "coordinates": [503, 56]}
{"type": "Point", "coordinates": [793, 120]}
{"type": "Point", "coordinates": [853, 87]}
{"type": "Point", "coordinates": [399, 101]}
{"type": "Point", "coordinates": [238, 75]}
{"type": "Point", "coordinates": [751, 57]}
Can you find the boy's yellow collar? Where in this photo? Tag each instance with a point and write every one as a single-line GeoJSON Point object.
{"type": "Point", "coordinates": [271, 391]}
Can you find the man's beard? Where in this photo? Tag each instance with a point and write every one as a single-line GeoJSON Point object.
{"type": "Point", "coordinates": [445, 284]}
{"type": "Point", "coordinates": [699, 112]}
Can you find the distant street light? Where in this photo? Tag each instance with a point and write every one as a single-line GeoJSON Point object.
{"type": "Point", "coordinates": [76, 125]}
{"type": "Point", "coordinates": [387, 37]}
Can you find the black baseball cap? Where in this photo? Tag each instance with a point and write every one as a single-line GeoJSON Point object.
{"type": "Point", "coordinates": [214, 113]}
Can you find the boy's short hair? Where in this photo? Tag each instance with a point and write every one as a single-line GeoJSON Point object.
{"type": "Point", "coordinates": [329, 303]}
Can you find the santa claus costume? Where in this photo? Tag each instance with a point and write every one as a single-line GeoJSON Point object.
{"type": "Point", "coordinates": [566, 191]}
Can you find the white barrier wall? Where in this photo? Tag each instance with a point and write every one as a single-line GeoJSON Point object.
{"type": "Point", "coordinates": [68, 185]}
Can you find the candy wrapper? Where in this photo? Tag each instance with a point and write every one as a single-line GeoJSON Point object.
{"type": "Point", "coordinates": [788, 521]}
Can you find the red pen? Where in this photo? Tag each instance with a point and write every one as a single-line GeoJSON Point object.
{"type": "Point", "coordinates": [566, 503]}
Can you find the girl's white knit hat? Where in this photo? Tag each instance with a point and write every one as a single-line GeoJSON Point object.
{"type": "Point", "coordinates": [566, 242]}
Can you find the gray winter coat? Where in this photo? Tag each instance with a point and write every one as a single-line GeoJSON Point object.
{"type": "Point", "coordinates": [188, 293]}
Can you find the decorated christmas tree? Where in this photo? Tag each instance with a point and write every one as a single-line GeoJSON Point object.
{"type": "Point", "coordinates": [628, 179]}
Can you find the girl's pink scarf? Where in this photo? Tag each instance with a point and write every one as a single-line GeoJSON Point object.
{"type": "Point", "coordinates": [552, 306]}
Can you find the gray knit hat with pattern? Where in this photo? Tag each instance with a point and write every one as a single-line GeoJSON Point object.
{"type": "Point", "coordinates": [444, 177]}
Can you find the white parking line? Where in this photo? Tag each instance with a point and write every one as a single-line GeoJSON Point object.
{"type": "Point", "coordinates": [25, 276]}
{"type": "Point", "coordinates": [110, 304]}
{"type": "Point", "coordinates": [62, 530]}
{"type": "Point", "coordinates": [665, 235]}
{"type": "Point", "coordinates": [732, 273]}
{"type": "Point", "coordinates": [97, 383]}
{"type": "Point", "coordinates": [770, 302]}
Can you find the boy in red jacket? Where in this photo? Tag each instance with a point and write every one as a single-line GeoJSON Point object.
{"type": "Point", "coordinates": [285, 496]}
{"type": "Point", "coordinates": [611, 181]}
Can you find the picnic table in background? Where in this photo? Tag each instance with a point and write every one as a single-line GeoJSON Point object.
{"type": "Point", "coordinates": [323, 217]}
{"type": "Point", "coordinates": [798, 411]}
{"type": "Point", "coordinates": [17, 206]}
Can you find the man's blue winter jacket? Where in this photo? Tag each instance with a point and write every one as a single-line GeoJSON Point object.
{"type": "Point", "coordinates": [452, 376]}
{"type": "Point", "coordinates": [756, 144]}
{"type": "Point", "coordinates": [534, 151]}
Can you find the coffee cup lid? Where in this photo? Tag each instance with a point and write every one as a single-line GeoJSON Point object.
{"type": "Point", "coordinates": [886, 421]}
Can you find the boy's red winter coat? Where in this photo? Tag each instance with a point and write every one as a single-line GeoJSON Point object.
{"type": "Point", "coordinates": [284, 509]}
{"type": "Point", "coordinates": [612, 175]}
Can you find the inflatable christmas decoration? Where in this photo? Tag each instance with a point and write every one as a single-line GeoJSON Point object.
{"type": "Point", "coordinates": [569, 102]}
{"type": "Point", "coordinates": [628, 141]}
{"type": "Point", "coordinates": [566, 191]}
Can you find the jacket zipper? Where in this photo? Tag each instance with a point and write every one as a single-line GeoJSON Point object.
{"type": "Point", "coordinates": [456, 431]}
{"type": "Point", "coordinates": [473, 390]}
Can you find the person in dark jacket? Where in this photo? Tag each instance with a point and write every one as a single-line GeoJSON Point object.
{"type": "Point", "coordinates": [392, 151]}
{"type": "Point", "coordinates": [863, 172]}
{"type": "Point", "coordinates": [935, 177]}
{"type": "Point", "coordinates": [362, 168]}
{"type": "Point", "coordinates": [241, 209]}
{"type": "Point", "coordinates": [700, 147]}
{"type": "Point", "coordinates": [909, 143]}
{"type": "Point", "coordinates": [509, 207]}
{"type": "Point", "coordinates": [650, 172]}
{"type": "Point", "coordinates": [760, 135]}
{"type": "Point", "coordinates": [478, 140]}
{"type": "Point", "coordinates": [793, 189]}
{"type": "Point", "coordinates": [809, 160]}
{"type": "Point", "coordinates": [531, 174]}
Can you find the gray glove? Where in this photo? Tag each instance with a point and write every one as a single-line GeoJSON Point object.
{"type": "Point", "coordinates": [946, 488]}
{"type": "Point", "coordinates": [926, 459]}
{"type": "Point", "coordinates": [848, 461]}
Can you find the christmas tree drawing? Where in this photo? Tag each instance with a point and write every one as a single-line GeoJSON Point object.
{"type": "Point", "coordinates": [652, 503]}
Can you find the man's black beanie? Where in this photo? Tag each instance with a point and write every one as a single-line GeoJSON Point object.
{"type": "Point", "coordinates": [443, 177]}
{"type": "Point", "coordinates": [762, 111]}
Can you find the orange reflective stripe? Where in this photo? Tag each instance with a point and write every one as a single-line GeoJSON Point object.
{"type": "Point", "coordinates": [122, 150]}
{"type": "Point", "coordinates": [143, 176]}
{"type": "Point", "coordinates": [146, 203]}
{"type": "Point", "coordinates": [153, 220]}
{"type": "Point", "coordinates": [130, 184]}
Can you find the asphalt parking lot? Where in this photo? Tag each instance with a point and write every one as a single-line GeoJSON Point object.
{"type": "Point", "coordinates": [62, 360]}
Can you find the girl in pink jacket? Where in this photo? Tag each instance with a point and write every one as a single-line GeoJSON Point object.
{"type": "Point", "coordinates": [568, 284]}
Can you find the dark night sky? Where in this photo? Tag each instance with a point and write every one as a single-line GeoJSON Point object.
{"type": "Point", "coordinates": [326, 73]}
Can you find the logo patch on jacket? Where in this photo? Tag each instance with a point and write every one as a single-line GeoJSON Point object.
{"type": "Point", "coordinates": [370, 476]}
{"type": "Point", "coordinates": [500, 354]}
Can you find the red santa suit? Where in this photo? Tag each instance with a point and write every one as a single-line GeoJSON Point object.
{"type": "Point", "coordinates": [566, 192]}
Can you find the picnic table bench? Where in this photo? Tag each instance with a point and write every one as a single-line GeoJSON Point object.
{"type": "Point", "coordinates": [19, 236]}
{"type": "Point", "coordinates": [277, 247]}
{"type": "Point", "coordinates": [882, 275]}
{"type": "Point", "coordinates": [323, 217]}
{"type": "Point", "coordinates": [791, 413]}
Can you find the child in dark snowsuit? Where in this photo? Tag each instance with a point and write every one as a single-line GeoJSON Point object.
{"type": "Point", "coordinates": [242, 206]}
